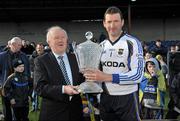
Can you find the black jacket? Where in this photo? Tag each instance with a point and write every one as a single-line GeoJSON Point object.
{"type": "Point", "coordinates": [18, 86]}
{"type": "Point", "coordinates": [56, 105]}
{"type": "Point", "coordinates": [31, 60]}
{"type": "Point", "coordinates": [6, 67]}
{"type": "Point", "coordinates": [175, 90]}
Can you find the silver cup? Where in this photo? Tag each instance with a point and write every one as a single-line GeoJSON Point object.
{"type": "Point", "coordinates": [88, 55]}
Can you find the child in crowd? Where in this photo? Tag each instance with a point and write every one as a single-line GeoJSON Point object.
{"type": "Point", "coordinates": [18, 88]}
{"type": "Point", "coordinates": [152, 90]}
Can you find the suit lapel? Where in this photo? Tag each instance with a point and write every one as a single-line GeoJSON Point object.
{"type": "Point", "coordinates": [53, 59]}
{"type": "Point", "coordinates": [55, 64]}
{"type": "Point", "coordinates": [72, 63]}
{"type": "Point", "coordinates": [74, 69]}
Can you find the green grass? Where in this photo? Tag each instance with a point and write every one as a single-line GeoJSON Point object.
{"type": "Point", "coordinates": [33, 116]}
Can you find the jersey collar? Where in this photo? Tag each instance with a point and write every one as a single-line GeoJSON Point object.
{"type": "Point", "coordinates": [112, 43]}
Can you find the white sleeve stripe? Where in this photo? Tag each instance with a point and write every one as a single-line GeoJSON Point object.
{"type": "Point", "coordinates": [137, 72]}
{"type": "Point", "coordinates": [135, 76]}
{"type": "Point", "coordinates": [140, 63]}
{"type": "Point", "coordinates": [140, 50]}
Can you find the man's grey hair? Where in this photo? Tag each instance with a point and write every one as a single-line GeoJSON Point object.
{"type": "Point", "coordinates": [15, 40]}
{"type": "Point", "coordinates": [9, 42]}
{"type": "Point", "coordinates": [52, 29]}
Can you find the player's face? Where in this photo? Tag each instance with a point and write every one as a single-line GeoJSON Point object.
{"type": "Point", "coordinates": [113, 24]}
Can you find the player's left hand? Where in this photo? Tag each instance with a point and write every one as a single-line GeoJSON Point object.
{"type": "Point", "coordinates": [96, 75]}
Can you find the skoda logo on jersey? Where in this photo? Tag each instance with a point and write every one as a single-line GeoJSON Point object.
{"type": "Point", "coordinates": [120, 51]}
{"type": "Point", "coordinates": [113, 64]}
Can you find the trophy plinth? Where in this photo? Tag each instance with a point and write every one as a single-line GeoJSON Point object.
{"type": "Point", "coordinates": [88, 55]}
{"type": "Point", "coordinates": [89, 87]}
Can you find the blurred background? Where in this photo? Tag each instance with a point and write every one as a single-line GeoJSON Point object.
{"type": "Point", "coordinates": [147, 19]}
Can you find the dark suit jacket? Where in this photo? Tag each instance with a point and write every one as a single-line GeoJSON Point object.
{"type": "Point", "coordinates": [6, 68]}
{"type": "Point", "coordinates": [49, 78]}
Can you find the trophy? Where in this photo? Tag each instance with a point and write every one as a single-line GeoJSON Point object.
{"type": "Point", "coordinates": [88, 56]}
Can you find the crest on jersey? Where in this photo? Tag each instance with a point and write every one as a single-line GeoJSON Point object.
{"type": "Point", "coordinates": [16, 79]}
{"type": "Point", "coordinates": [120, 51]}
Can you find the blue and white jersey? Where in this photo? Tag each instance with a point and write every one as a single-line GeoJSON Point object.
{"type": "Point", "coordinates": [124, 59]}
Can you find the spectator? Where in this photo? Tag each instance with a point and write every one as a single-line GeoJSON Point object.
{"type": "Point", "coordinates": [33, 44]}
{"type": "Point", "coordinates": [159, 49]}
{"type": "Point", "coordinates": [145, 47]}
{"type": "Point", "coordinates": [18, 89]}
{"type": "Point", "coordinates": [174, 62]}
{"type": "Point", "coordinates": [6, 69]}
{"type": "Point", "coordinates": [177, 47]}
{"type": "Point", "coordinates": [174, 104]}
{"type": "Point", "coordinates": [173, 48]}
{"type": "Point", "coordinates": [153, 91]}
{"type": "Point", "coordinates": [148, 55]}
{"type": "Point", "coordinates": [39, 51]}
{"type": "Point", "coordinates": [27, 48]}
{"type": "Point", "coordinates": [174, 69]}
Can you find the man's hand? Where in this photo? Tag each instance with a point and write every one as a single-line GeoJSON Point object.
{"type": "Point", "coordinates": [96, 75]}
{"type": "Point", "coordinates": [70, 90]}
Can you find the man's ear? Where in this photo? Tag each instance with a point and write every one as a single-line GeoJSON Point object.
{"type": "Point", "coordinates": [122, 22]}
{"type": "Point", "coordinates": [104, 23]}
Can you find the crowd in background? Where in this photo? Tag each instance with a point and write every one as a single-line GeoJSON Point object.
{"type": "Point", "coordinates": [165, 78]}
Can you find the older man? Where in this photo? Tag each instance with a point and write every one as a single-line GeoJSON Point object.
{"type": "Point", "coordinates": [6, 69]}
{"type": "Point", "coordinates": [57, 75]}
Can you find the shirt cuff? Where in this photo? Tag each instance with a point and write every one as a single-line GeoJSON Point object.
{"type": "Point", "coordinates": [63, 89]}
{"type": "Point", "coordinates": [115, 78]}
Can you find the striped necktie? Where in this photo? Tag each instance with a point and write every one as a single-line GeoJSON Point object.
{"type": "Point", "coordinates": [63, 69]}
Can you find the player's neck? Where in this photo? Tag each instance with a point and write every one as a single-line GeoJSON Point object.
{"type": "Point", "coordinates": [115, 37]}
